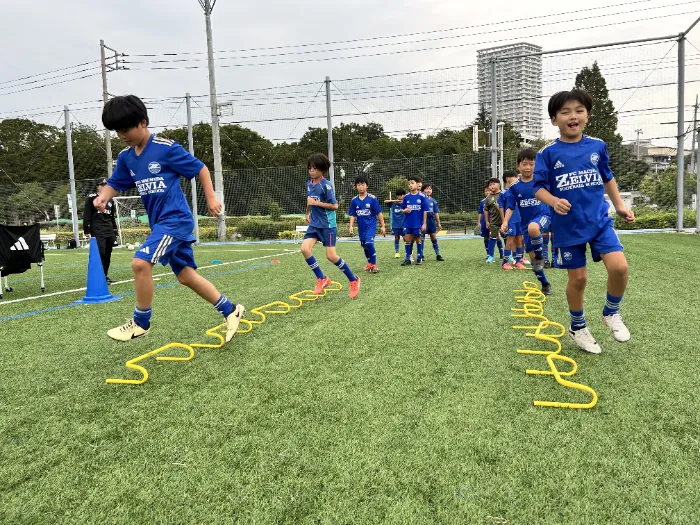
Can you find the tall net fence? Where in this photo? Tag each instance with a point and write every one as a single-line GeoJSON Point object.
{"type": "Point", "coordinates": [435, 124]}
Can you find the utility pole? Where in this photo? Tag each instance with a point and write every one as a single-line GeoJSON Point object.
{"type": "Point", "coordinates": [638, 132]}
{"type": "Point", "coordinates": [494, 118]}
{"type": "Point", "coordinates": [105, 95]}
{"type": "Point", "coordinates": [208, 6]}
{"type": "Point", "coordinates": [695, 128]}
{"type": "Point", "coordinates": [329, 125]}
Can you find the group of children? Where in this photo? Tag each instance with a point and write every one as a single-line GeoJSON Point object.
{"type": "Point", "coordinates": [561, 188]}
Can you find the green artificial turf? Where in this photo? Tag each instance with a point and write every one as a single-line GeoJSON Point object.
{"type": "Point", "coordinates": [407, 405]}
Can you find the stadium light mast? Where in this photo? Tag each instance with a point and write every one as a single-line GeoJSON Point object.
{"type": "Point", "coordinates": [208, 6]}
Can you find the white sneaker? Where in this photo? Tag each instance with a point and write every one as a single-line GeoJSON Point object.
{"type": "Point", "coordinates": [126, 332]}
{"type": "Point", "coordinates": [617, 327]}
{"type": "Point", "coordinates": [233, 320]}
{"type": "Point", "coordinates": [584, 340]}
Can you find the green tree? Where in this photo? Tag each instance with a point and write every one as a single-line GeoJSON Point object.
{"type": "Point", "coordinates": [660, 188]}
{"type": "Point", "coordinates": [602, 123]}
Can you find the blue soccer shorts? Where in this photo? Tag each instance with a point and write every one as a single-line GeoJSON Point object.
{"type": "Point", "coordinates": [573, 257]}
{"type": "Point", "coordinates": [416, 232]}
{"type": "Point", "coordinates": [397, 231]}
{"type": "Point", "coordinates": [367, 236]}
{"type": "Point", "coordinates": [327, 236]}
{"type": "Point", "coordinates": [514, 229]}
{"type": "Point", "coordinates": [164, 249]}
{"type": "Point", "coordinates": [430, 227]}
{"type": "Point", "coordinates": [545, 222]}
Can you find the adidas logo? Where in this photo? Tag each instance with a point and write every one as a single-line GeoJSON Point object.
{"type": "Point", "coordinates": [20, 246]}
{"type": "Point", "coordinates": [145, 250]}
{"type": "Point", "coordinates": [558, 165]}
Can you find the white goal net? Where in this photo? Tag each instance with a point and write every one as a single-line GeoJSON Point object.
{"type": "Point", "coordinates": [132, 220]}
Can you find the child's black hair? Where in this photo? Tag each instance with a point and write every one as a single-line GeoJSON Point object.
{"type": "Point", "coordinates": [318, 161]}
{"type": "Point", "coordinates": [526, 154]}
{"type": "Point", "coordinates": [510, 174]}
{"type": "Point", "coordinates": [361, 179]}
{"type": "Point", "coordinates": [400, 191]}
{"type": "Point", "coordinates": [122, 113]}
{"type": "Point", "coordinates": [493, 180]}
{"type": "Point", "coordinates": [427, 185]}
{"type": "Point", "coordinates": [486, 184]}
{"type": "Point", "coordinates": [559, 99]}
{"type": "Point", "coordinates": [415, 178]}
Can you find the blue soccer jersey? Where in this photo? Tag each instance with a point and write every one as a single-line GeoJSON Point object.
{"type": "Point", "coordinates": [432, 209]}
{"type": "Point", "coordinates": [366, 211]}
{"type": "Point", "coordinates": [482, 220]}
{"type": "Point", "coordinates": [156, 174]}
{"type": "Point", "coordinates": [503, 203]}
{"type": "Point", "coordinates": [417, 204]}
{"type": "Point", "coordinates": [576, 172]}
{"type": "Point", "coordinates": [322, 191]}
{"type": "Point", "coordinates": [397, 216]}
{"type": "Point", "coordinates": [520, 198]}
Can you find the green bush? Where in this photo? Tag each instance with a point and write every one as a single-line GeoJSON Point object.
{"type": "Point", "coordinates": [266, 228]}
{"type": "Point", "coordinates": [656, 220]}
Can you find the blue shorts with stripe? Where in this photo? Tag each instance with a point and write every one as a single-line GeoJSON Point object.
{"type": "Point", "coordinates": [573, 257]}
{"type": "Point", "coordinates": [544, 221]}
{"type": "Point", "coordinates": [327, 236]}
{"type": "Point", "coordinates": [164, 249]}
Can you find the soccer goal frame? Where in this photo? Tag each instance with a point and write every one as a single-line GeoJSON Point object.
{"type": "Point", "coordinates": [120, 207]}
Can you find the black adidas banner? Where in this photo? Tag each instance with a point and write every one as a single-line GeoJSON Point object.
{"type": "Point", "coordinates": [20, 246]}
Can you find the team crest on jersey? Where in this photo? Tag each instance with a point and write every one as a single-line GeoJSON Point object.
{"type": "Point", "coordinates": [154, 167]}
{"type": "Point", "coordinates": [595, 158]}
{"type": "Point", "coordinates": [567, 256]}
{"type": "Point", "coordinates": [367, 205]}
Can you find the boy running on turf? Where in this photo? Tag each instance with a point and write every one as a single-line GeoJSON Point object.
{"type": "Point", "coordinates": [414, 206]}
{"type": "Point", "coordinates": [511, 230]}
{"type": "Point", "coordinates": [572, 175]}
{"type": "Point", "coordinates": [396, 219]}
{"type": "Point", "coordinates": [320, 216]}
{"type": "Point", "coordinates": [154, 166]}
{"type": "Point", "coordinates": [534, 215]}
{"type": "Point", "coordinates": [367, 209]}
{"type": "Point", "coordinates": [433, 223]}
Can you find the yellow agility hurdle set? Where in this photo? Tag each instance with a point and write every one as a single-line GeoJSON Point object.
{"type": "Point", "coordinates": [246, 326]}
{"type": "Point", "coordinates": [531, 301]}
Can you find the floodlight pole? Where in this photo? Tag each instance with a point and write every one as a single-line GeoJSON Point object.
{"type": "Point", "coordinates": [208, 6]}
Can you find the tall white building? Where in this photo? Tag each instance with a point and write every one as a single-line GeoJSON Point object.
{"type": "Point", "coordinates": [518, 86]}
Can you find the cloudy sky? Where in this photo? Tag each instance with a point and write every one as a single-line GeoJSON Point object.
{"type": "Point", "coordinates": [45, 35]}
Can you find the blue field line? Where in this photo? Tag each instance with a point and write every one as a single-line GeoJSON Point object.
{"type": "Point", "coordinates": [61, 307]}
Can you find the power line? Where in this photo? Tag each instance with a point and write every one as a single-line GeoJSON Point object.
{"type": "Point", "coordinates": [49, 72]}
{"type": "Point", "coordinates": [47, 85]}
{"type": "Point", "coordinates": [385, 37]}
{"type": "Point", "coordinates": [50, 78]}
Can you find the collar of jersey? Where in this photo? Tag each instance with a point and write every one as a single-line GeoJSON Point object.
{"type": "Point", "coordinates": [150, 139]}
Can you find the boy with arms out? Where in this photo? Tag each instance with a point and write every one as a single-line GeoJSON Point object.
{"type": "Point", "coordinates": [366, 208]}
{"type": "Point", "coordinates": [534, 215]}
{"type": "Point", "coordinates": [492, 216]}
{"type": "Point", "coordinates": [511, 230]}
{"type": "Point", "coordinates": [432, 225]}
{"type": "Point", "coordinates": [320, 216]}
{"type": "Point", "coordinates": [414, 206]}
{"type": "Point", "coordinates": [396, 219]}
{"type": "Point", "coordinates": [154, 166]}
{"type": "Point", "coordinates": [572, 176]}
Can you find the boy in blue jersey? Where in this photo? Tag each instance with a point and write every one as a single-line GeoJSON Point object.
{"type": "Point", "coordinates": [572, 175]}
{"type": "Point", "coordinates": [511, 231]}
{"type": "Point", "coordinates": [367, 209]}
{"type": "Point", "coordinates": [396, 219]}
{"type": "Point", "coordinates": [154, 166]}
{"type": "Point", "coordinates": [534, 215]}
{"type": "Point", "coordinates": [432, 225]}
{"type": "Point", "coordinates": [481, 219]}
{"type": "Point", "coordinates": [414, 206]}
{"type": "Point", "coordinates": [320, 216]}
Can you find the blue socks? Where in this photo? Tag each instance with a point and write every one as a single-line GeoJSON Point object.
{"type": "Point", "coordinates": [346, 270]}
{"type": "Point", "coordinates": [486, 245]}
{"type": "Point", "coordinates": [545, 246]}
{"type": "Point", "coordinates": [500, 247]}
{"type": "Point", "coordinates": [436, 247]}
{"type": "Point", "coordinates": [371, 253]}
{"type": "Point", "coordinates": [409, 250]}
{"type": "Point", "coordinates": [224, 306]}
{"type": "Point", "coordinates": [541, 277]}
{"type": "Point", "coordinates": [578, 320]}
{"type": "Point", "coordinates": [492, 245]}
{"type": "Point", "coordinates": [612, 305]}
{"type": "Point", "coordinates": [142, 317]}
{"type": "Point", "coordinates": [313, 264]}
{"type": "Point", "coordinates": [518, 255]}
{"type": "Point", "coordinates": [537, 246]}
{"type": "Point", "coordinates": [506, 255]}
{"type": "Point", "coordinates": [396, 245]}
{"type": "Point", "coordinates": [420, 249]}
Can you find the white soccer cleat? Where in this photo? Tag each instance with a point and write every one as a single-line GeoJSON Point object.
{"type": "Point", "coordinates": [584, 340]}
{"type": "Point", "coordinates": [233, 320]}
{"type": "Point", "coordinates": [617, 327]}
{"type": "Point", "coordinates": [126, 332]}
